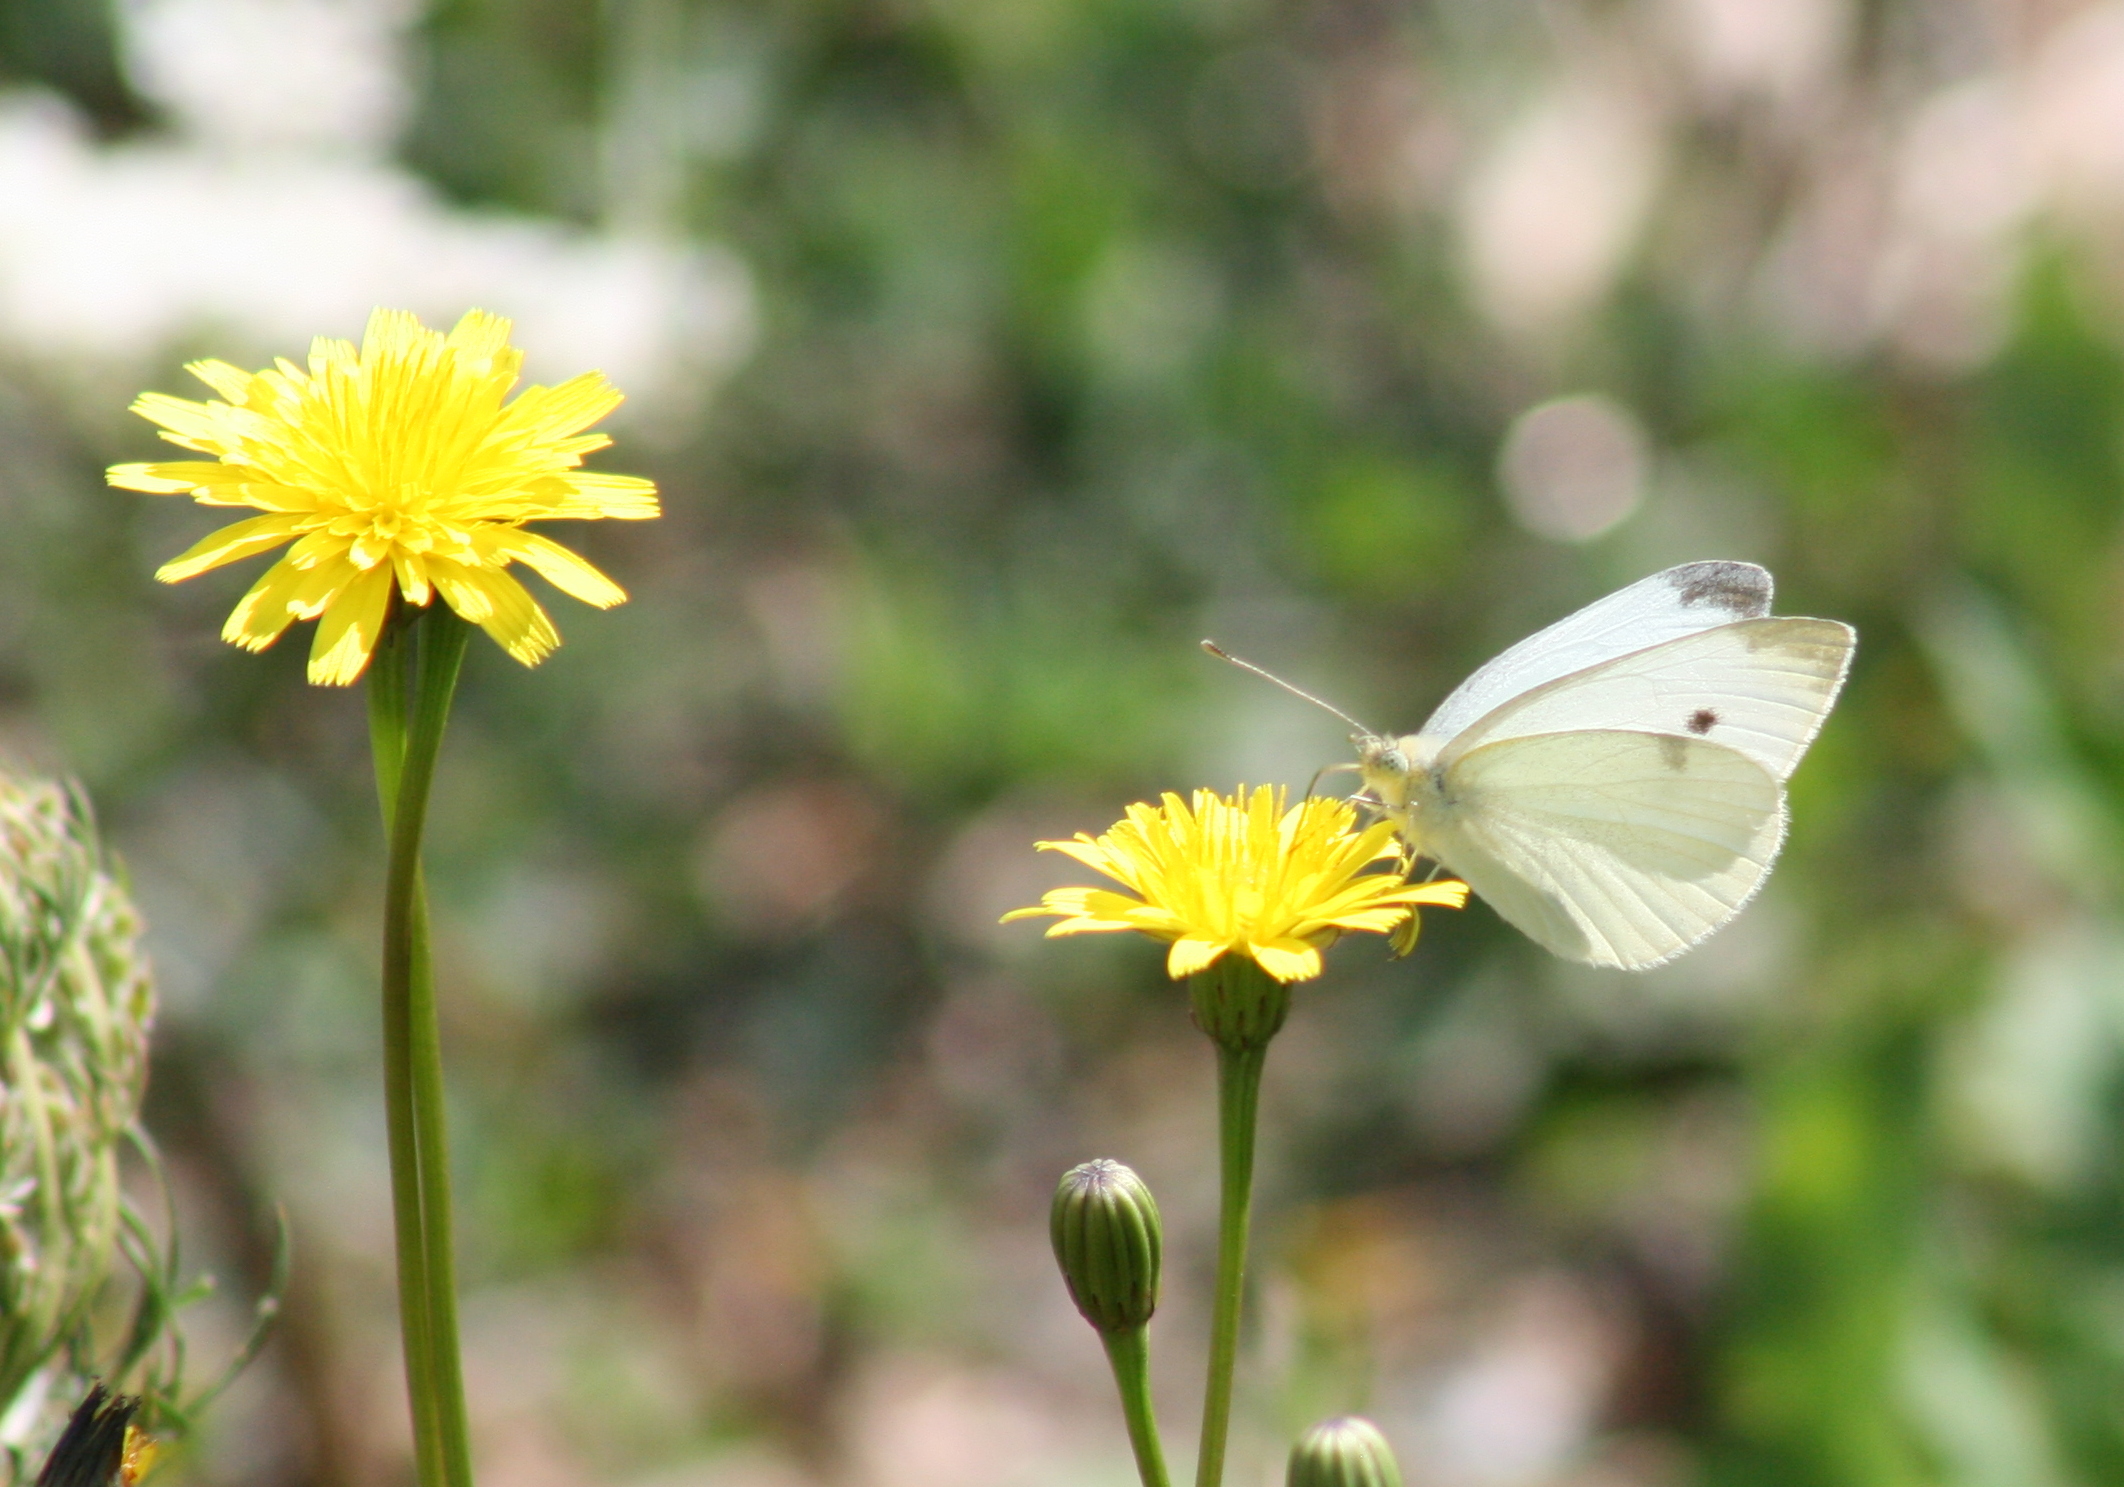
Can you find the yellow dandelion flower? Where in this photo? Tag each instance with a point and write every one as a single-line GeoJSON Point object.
{"type": "Point", "coordinates": [394, 468]}
{"type": "Point", "coordinates": [1241, 874]}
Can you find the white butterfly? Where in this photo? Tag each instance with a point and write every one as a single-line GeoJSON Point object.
{"type": "Point", "coordinates": [1615, 785]}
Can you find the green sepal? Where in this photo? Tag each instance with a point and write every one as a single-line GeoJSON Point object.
{"type": "Point", "coordinates": [1238, 1004]}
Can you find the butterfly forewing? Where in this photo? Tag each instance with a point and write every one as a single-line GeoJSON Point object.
{"type": "Point", "coordinates": [1619, 848]}
{"type": "Point", "coordinates": [1668, 605]}
{"type": "Point", "coordinates": [1759, 686]}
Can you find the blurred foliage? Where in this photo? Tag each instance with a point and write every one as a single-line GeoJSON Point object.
{"type": "Point", "coordinates": [1089, 328]}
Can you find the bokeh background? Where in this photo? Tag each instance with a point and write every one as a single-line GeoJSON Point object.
{"type": "Point", "coordinates": [990, 354]}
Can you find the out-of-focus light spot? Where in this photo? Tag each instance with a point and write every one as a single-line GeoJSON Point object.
{"type": "Point", "coordinates": [1962, 187]}
{"type": "Point", "coordinates": [271, 214]}
{"type": "Point", "coordinates": [1912, 234]}
{"type": "Point", "coordinates": [1814, 287]}
{"type": "Point", "coordinates": [1743, 48]}
{"type": "Point", "coordinates": [1526, 1401]}
{"type": "Point", "coordinates": [2027, 1071]}
{"type": "Point", "coordinates": [921, 1422]}
{"type": "Point", "coordinates": [1962, 170]}
{"type": "Point", "coordinates": [2073, 105]}
{"type": "Point", "coordinates": [1573, 467]}
{"type": "Point", "coordinates": [254, 74]}
{"type": "Point", "coordinates": [1549, 219]}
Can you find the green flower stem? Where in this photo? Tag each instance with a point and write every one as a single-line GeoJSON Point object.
{"type": "Point", "coordinates": [1238, 1101]}
{"type": "Point", "coordinates": [414, 676]}
{"type": "Point", "coordinates": [1241, 1007]}
{"type": "Point", "coordinates": [1128, 1350]}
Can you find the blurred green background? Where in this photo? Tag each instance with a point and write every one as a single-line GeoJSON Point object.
{"type": "Point", "coordinates": [990, 353]}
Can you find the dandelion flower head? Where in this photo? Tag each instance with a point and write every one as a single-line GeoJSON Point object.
{"type": "Point", "coordinates": [1242, 874]}
{"type": "Point", "coordinates": [397, 467]}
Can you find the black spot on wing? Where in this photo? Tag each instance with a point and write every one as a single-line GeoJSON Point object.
{"type": "Point", "coordinates": [1702, 721]}
{"type": "Point", "coordinates": [1740, 589]}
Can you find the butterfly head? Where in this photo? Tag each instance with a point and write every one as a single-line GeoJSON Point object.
{"type": "Point", "coordinates": [1393, 768]}
{"type": "Point", "coordinates": [1399, 774]}
{"type": "Point", "coordinates": [1383, 765]}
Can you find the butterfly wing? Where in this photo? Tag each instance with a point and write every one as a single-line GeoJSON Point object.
{"type": "Point", "coordinates": [1616, 848]}
{"type": "Point", "coordinates": [1760, 686]}
{"type": "Point", "coordinates": [1666, 606]}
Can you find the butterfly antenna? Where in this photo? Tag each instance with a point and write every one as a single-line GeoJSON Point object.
{"type": "Point", "coordinates": [1313, 788]}
{"type": "Point", "coordinates": [1269, 676]}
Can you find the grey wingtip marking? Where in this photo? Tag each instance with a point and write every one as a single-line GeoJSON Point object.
{"type": "Point", "coordinates": [1740, 589]}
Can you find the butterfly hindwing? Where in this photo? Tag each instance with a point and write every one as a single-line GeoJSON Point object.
{"type": "Point", "coordinates": [1614, 847]}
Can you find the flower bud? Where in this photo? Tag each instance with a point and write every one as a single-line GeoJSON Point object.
{"type": "Point", "coordinates": [1108, 1241]}
{"type": "Point", "coordinates": [1348, 1452]}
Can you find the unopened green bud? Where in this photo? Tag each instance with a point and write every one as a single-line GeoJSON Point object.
{"type": "Point", "coordinates": [1348, 1452]}
{"type": "Point", "coordinates": [1108, 1241]}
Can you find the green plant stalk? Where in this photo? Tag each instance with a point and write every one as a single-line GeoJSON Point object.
{"type": "Point", "coordinates": [1238, 1103]}
{"type": "Point", "coordinates": [414, 676]}
{"type": "Point", "coordinates": [1128, 1350]}
{"type": "Point", "coordinates": [390, 682]}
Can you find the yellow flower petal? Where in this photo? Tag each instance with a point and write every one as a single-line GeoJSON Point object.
{"type": "Point", "coordinates": [230, 543]}
{"type": "Point", "coordinates": [152, 478]}
{"type": "Point", "coordinates": [556, 412]}
{"type": "Point", "coordinates": [398, 465]}
{"type": "Point", "coordinates": [233, 383]}
{"type": "Point", "coordinates": [1191, 955]}
{"type": "Point", "coordinates": [1448, 893]}
{"type": "Point", "coordinates": [1288, 960]}
{"type": "Point", "coordinates": [476, 334]}
{"type": "Point", "coordinates": [1212, 875]}
{"type": "Point", "coordinates": [1076, 904]}
{"type": "Point", "coordinates": [1094, 855]}
{"type": "Point", "coordinates": [622, 497]}
{"type": "Point", "coordinates": [565, 570]}
{"type": "Point", "coordinates": [319, 585]}
{"type": "Point", "coordinates": [261, 614]}
{"type": "Point", "coordinates": [412, 570]}
{"type": "Point", "coordinates": [347, 632]}
{"type": "Point", "coordinates": [1089, 924]}
{"type": "Point", "coordinates": [194, 425]}
{"type": "Point", "coordinates": [499, 605]}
